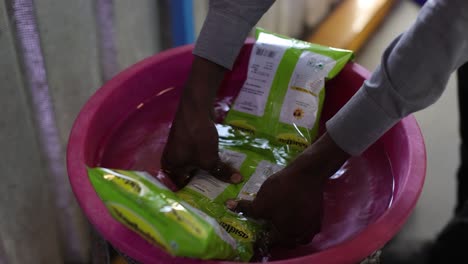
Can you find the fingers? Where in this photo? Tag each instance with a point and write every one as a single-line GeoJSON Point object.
{"type": "Point", "coordinates": [307, 236]}
{"type": "Point", "coordinates": [304, 240]}
{"type": "Point", "coordinates": [279, 231]}
{"type": "Point", "coordinates": [242, 206]}
{"type": "Point", "coordinates": [180, 175]}
{"type": "Point", "coordinates": [225, 172]}
{"type": "Point", "coordinates": [278, 238]}
{"type": "Point", "coordinates": [299, 235]}
{"type": "Point", "coordinates": [273, 237]}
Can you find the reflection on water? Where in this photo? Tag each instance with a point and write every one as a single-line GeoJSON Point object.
{"type": "Point", "coordinates": [355, 195]}
{"type": "Point", "coordinates": [340, 172]}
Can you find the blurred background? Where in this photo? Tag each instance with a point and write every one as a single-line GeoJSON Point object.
{"type": "Point", "coordinates": [55, 54]}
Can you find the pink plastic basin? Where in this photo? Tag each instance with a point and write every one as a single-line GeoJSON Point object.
{"type": "Point", "coordinates": [125, 124]}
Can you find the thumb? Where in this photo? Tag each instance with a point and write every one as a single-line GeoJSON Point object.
{"type": "Point", "coordinates": [242, 206]}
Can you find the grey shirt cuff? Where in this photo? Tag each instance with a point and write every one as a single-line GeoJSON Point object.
{"type": "Point", "coordinates": [360, 123]}
{"type": "Point", "coordinates": [221, 43]}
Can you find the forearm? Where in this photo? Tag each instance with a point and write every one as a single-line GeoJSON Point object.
{"type": "Point", "coordinates": [200, 90]}
{"type": "Point", "coordinates": [319, 161]}
{"type": "Point", "coordinates": [222, 36]}
{"type": "Point", "coordinates": [413, 74]}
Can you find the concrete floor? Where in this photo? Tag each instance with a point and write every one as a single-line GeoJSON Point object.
{"type": "Point", "coordinates": [439, 124]}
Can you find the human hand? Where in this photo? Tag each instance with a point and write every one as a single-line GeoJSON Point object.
{"type": "Point", "coordinates": [291, 199]}
{"type": "Point", "coordinates": [193, 140]}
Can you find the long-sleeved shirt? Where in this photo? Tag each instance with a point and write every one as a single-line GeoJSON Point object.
{"type": "Point", "coordinates": [412, 75]}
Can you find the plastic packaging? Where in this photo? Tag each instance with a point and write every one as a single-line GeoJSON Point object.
{"type": "Point", "coordinates": [150, 209]}
{"type": "Point", "coordinates": [284, 91]}
{"type": "Point", "coordinates": [274, 117]}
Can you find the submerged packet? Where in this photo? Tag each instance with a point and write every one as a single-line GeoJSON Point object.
{"type": "Point", "coordinates": [274, 117]}
{"type": "Point", "coordinates": [210, 194]}
{"type": "Point", "coordinates": [156, 213]}
{"type": "Point", "coordinates": [193, 222]}
{"type": "Point", "coordinates": [284, 91]}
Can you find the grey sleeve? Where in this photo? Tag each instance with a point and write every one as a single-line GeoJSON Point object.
{"type": "Point", "coordinates": [225, 28]}
{"type": "Point", "coordinates": [412, 75]}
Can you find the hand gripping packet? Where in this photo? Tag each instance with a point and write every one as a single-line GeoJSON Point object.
{"type": "Point", "coordinates": [274, 117]}
{"type": "Point", "coordinates": [193, 222]}
{"type": "Point", "coordinates": [284, 91]}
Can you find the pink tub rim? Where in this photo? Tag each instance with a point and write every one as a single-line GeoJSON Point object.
{"type": "Point", "coordinates": [362, 244]}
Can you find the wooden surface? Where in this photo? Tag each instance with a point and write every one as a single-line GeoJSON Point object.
{"type": "Point", "coordinates": [351, 23]}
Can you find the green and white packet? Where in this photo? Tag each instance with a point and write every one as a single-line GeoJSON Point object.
{"type": "Point", "coordinates": [284, 91]}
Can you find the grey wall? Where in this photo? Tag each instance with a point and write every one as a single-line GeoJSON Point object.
{"type": "Point", "coordinates": [68, 35]}
{"type": "Point", "coordinates": [137, 30]}
{"type": "Point", "coordinates": [27, 216]}
{"type": "Point", "coordinates": [71, 47]}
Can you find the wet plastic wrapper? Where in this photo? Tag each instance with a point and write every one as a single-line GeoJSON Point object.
{"type": "Point", "coordinates": [159, 215]}
{"type": "Point", "coordinates": [274, 117]}
{"type": "Point", "coordinates": [284, 91]}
